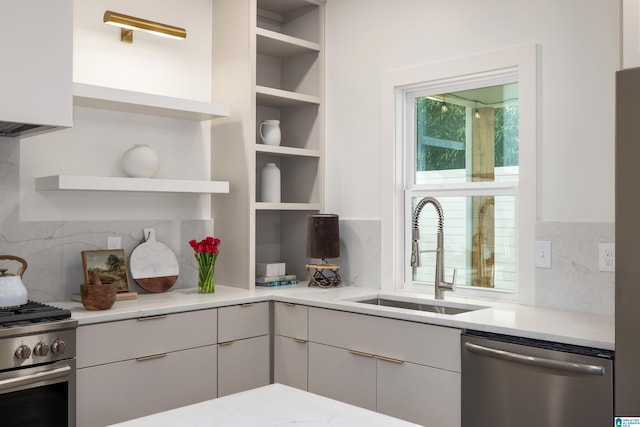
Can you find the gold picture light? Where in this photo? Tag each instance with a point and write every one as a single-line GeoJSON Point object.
{"type": "Point", "coordinates": [129, 23]}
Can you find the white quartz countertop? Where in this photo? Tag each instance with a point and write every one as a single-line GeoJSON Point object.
{"type": "Point", "coordinates": [591, 330]}
{"type": "Point", "coordinates": [272, 405]}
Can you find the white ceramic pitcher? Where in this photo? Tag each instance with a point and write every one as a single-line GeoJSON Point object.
{"type": "Point", "coordinates": [270, 132]}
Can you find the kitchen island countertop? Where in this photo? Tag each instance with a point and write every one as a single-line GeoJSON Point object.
{"type": "Point", "coordinates": [585, 329]}
{"type": "Point", "coordinates": [272, 405]}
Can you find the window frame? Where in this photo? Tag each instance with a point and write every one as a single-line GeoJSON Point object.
{"type": "Point", "coordinates": [518, 64]}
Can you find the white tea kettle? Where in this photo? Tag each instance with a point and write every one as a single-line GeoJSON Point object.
{"type": "Point", "coordinates": [12, 291]}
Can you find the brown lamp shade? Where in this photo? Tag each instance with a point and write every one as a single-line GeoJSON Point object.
{"type": "Point", "coordinates": [323, 236]}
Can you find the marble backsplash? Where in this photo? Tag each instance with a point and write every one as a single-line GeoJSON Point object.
{"type": "Point", "coordinates": [52, 249]}
{"type": "Point", "coordinates": [574, 281]}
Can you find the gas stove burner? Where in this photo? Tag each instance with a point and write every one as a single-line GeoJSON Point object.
{"type": "Point", "coordinates": [31, 312]}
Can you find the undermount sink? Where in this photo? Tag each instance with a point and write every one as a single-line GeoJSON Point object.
{"type": "Point", "coordinates": [448, 308]}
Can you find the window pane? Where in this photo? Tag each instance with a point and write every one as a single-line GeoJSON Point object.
{"type": "Point", "coordinates": [479, 241]}
{"type": "Point", "coordinates": [467, 136]}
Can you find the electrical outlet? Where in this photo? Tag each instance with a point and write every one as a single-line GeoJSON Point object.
{"type": "Point", "coordinates": [607, 256]}
{"type": "Point", "coordinates": [114, 242]}
{"type": "Point", "coordinates": [543, 254]}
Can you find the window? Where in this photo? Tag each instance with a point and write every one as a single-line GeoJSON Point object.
{"type": "Point", "coordinates": [465, 133]}
{"type": "Point", "coordinates": [462, 138]}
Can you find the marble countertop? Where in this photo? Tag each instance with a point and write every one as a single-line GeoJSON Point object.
{"type": "Point", "coordinates": [272, 405]}
{"type": "Point", "coordinates": [591, 330]}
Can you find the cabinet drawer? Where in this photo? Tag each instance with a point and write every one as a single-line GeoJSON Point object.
{"type": "Point", "coordinates": [397, 339]}
{"type": "Point", "coordinates": [342, 375]}
{"type": "Point", "coordinates": [243, 365]}
{"type": "Point", "coordinates": [291, 320]}
{"type": "Point", "coordinates": [116, 392]}
{"type": "Point", "coordinates": [290, 356]}
{"type": "Point", "coordinates": [243, 321]}
{"type": "Point", "coordinates": [128, 339]}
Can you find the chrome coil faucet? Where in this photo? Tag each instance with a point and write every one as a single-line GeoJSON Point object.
{"type": "Point", "coordinates": [439, 284]}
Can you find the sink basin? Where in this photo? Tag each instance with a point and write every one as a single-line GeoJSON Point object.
{"type": "Point", "coordinates": [448, 308]}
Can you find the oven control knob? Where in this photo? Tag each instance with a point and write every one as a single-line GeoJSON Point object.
{"type": "Point", "coordinates": [41, 349]}
{"type": "Point", "coordinates": [58, 346]}
{"type": "Point", "coordinates": [23, 352]}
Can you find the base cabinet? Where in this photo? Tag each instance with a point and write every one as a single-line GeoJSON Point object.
{"type": "Point", "coordinates": [342, 375]}
{"type": "Point", "coordinates": [120, 391]}
{"type": "Point", "coordinates": [243, 365]}
{"type": "Point", "coordinates": [243, 350]}
{"type": "Point", "coordinates": [290, 345]}
{"type": "Point", "coordinates": [403, 369]}
{"type": "Point", "coordinates": [290, 362]}
{"type": "Point", "coordinates": [420, 394]}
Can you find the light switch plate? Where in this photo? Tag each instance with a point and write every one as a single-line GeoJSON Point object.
{"type": "Point", "coordinates": [543, 254]}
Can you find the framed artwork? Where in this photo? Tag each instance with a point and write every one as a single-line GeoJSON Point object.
{"type": "Point", "coordinates": [110, 265]}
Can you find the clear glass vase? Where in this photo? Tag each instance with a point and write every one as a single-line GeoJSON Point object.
{"type": "Point", "coordinates": [206, 285]}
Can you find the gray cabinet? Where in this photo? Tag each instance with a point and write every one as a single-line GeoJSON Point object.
{"type": "Point", "coordinates": [290, 345]}
{"type": "Point", "coordinates": [404, 369]}
{"type": "Point", "coordinates": [132, 368]}
{"type": "Point", "coordinates": [243, 350]}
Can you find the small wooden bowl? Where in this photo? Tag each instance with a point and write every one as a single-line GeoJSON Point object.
{"type": "Point", "coordinates": [98, 297]}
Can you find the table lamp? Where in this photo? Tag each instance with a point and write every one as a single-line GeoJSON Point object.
{"type": "Point", "coordinates": [323, 241]}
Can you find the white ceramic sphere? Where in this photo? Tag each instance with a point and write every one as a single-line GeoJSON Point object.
{"type": "Point", "coordinates": [140, 161]}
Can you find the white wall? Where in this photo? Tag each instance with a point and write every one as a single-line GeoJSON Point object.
{"type": "Point", "coordinates": [579, 53]}
{"type": "Point", "coordinates": [99, 138]}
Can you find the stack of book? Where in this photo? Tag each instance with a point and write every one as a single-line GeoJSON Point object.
{"type": "Point", "coordinates": [285, 279]}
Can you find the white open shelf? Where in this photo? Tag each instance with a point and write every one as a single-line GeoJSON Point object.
{"type": "Point", "coordinates": [280, 150]}
{"type": "Point", "coordinates": [288, 206]}
{"type": "Point", "coordinates": [104, 183]}
{"type": "Point", "coordinates": [85, 95]}
{"type": "Point", "coordinates": [272, 97]}
{"type": "Point", "coordinates": [281, 45]}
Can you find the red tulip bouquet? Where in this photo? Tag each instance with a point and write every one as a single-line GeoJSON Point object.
{"type": "Point", "coordinates": [206, 252]}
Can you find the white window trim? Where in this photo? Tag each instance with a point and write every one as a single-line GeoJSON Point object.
{"type": "Point", "coordinates": [524, 60]}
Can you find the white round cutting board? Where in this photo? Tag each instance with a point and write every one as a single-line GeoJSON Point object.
{"type": "Point", "coordinates": [153, 266]}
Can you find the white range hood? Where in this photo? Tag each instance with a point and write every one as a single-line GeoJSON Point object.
{"type": "Point", "coordinates": [37, 66]}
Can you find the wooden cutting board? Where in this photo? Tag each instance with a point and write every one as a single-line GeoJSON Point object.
{"type": "Point", "coordinates": [153, 266]}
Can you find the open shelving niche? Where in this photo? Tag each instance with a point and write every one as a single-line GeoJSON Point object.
{"type": "Point", "coordinates": [105, 98]}
{"type": "Point", "coordinates": [287, 84]}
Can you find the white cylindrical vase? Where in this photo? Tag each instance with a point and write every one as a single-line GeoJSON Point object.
{"type": "Point", "coordinates": [270, 183]}
{"type": "Point", "coordinates": [140, 161]}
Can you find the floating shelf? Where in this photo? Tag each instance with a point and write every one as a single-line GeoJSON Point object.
{"type": "Point", "coordinates": [265, 206]}
{"type": "Point", "coordinates": [284, 7]}
{"type": "Point", "coordinates": [104, 183]}
{"type": "Point", "coordinates": [279, 150]}
{"type": "Point", "coordinates": [281, 45]}
{"type": "Point", "coordinates": [105, 98]}
{"type": "Point", "coordinates": [272, 97]}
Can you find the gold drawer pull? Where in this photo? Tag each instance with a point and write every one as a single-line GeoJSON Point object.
{"type": "Point", "coordinates": [289, 304]}
{"type": "Point", "coordinates": [360, 353]}
{"type": "Point", "coordinates": [300, 340]}
{"type": "Point", "coordinates": [150, 357]}
{"type": "Point", "coordinates": [222, 344]}
{"type": "Point", "coordinates": [248, 304]}
{"type": "Point", "coordinates": [159, 316]}
{"type": "Point", "coordinates": [389, 359]}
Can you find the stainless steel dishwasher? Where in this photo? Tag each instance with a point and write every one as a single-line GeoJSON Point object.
{"type": "Point", "coordinates": [512, 381]}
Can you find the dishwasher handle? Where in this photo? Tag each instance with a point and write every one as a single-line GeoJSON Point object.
{"type": "Point", "coordinates": [580, 368]}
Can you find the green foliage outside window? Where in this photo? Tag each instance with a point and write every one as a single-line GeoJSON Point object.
{"type": "Point", "coordinates": [441, 136]}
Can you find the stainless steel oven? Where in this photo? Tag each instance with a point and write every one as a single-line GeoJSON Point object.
{"type": "Point", "coordinates": [37, 367]}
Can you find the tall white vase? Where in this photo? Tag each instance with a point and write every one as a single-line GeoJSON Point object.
{"type": "Point", "coordinates": [270, 183]}
{"type": "Point", "coordinates": [270, 132]}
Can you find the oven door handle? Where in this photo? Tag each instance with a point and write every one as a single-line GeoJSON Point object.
{"type": "Point", "coordinates": [580, 368]}
{"type": "Point", "coordinates": [47, 375]}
